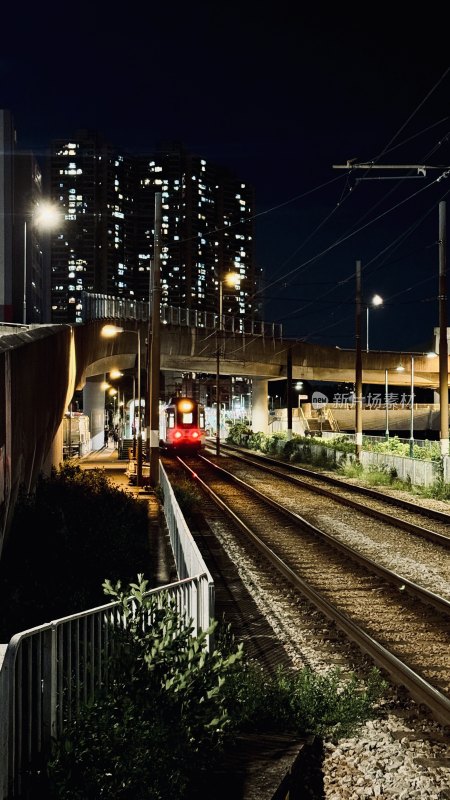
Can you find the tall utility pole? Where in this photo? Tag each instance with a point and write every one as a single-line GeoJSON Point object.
{"type": "Point", "coordinates": [289, 392]}
{"type": "Point", "coordinates": [219, 345]}
{"type": "Point", "coordinates": [358, 366]}
{"type": "Point", "coordinates": [421, 172]}
{"type": "Point", "coordinates": [443, 342]}
{"type": "Point", "coordinates": [155, 351]}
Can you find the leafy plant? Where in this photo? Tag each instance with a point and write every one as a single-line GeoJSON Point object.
{"type": "Point", "coordinates": [302, 449]}
{"type": "Point", "coordinates": [163, 716]}
{"type": "Point", "coordinates": [65, 538]}
{"type": "Point", "coordinates": [301, 702]}
{"type": "Point", "coordinates": [188, 495]}
{"type": "Point", "coordinates": [171, 706]}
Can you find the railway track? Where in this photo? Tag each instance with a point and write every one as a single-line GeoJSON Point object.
{"type": "Point", "coordinates": [402, 626]}
{"type": "Point", "coordinates": [412, 517]}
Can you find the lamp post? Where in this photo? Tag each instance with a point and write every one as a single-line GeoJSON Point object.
{"type": "Point", "coordinates": [411, 432]}
{"type": "Point", "coordinates": [155, 349]}
{"type": "Point", "coordinates": [358, 366]}
{"type": "Point", "coordinates": [112, 393]}
{"type": "Point", "coordinates": [230, 279]}
{"type": "Point", "coordinates": [386, 402]}
{"type": "Point", "coordinates": [110, 331]}
{"type": "Point", "coordinates": [401, 368]}
{"type": "Point", "coordinates": [376, 301]}
{"type": "Point", "coordinates": [46, 216]}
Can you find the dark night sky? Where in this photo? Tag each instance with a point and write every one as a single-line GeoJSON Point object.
{"type": "Point", "coordinates": [279, 94]}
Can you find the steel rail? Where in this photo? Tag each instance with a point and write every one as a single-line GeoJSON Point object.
{"type": "Point", "coordinates": [410, 527]}
{"type": "Point", "coordinates": [432, 513]}
{"type": "Point", "coordinates": [420, 689]}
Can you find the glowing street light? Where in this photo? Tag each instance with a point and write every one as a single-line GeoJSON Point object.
{"type": "Point", "coordinates": [46, 216]}
{"type": "Point", "coordinates": [376, 301]}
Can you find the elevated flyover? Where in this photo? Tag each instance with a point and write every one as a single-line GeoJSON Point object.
{"type": "Point", "coordinates": [194, 349]}
{"type": "Point", "coordinates": [41, 366]}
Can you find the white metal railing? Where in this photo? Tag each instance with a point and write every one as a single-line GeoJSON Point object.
{"type": "Point", "coordinates": [50, 671]}
{"type": "Point", "coordinates": [187, 556]}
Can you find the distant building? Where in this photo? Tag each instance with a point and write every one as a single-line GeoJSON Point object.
{"type": "Point", "coordinates": [207, 230]}
{"type": "Point", "coordinates": [89, 252]}
{"type": "Point", "coordinates": [30, 270]}
{"type": "Point", "coordinates": [7, 142]}
{"type": "Point", "coordinates": [22, 274]}
{"type": "Point", "coordinates": [106, 242]}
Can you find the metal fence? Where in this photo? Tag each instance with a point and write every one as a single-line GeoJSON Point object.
{"type": "Point", "coordinates": [418, 471]}
{"type": "Point", "coordinates": [100, 306]}
{"type": "Point", "coordinates": [50, 671]}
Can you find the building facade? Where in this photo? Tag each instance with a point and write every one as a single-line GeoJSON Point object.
{"type": "Point", "coordinates": [106, 242]}
{"type": "Point", "coordinates": [7, 144]}
{"type": "Point", "coordinates": [24, 292]}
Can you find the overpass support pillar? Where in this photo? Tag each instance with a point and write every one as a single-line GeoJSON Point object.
{"type": "Point", "coordinates": [55, 454]}
{"type": "Point", "coordinates": [94, 408]}
{"type": "Point", "coordinates": [260, 413]}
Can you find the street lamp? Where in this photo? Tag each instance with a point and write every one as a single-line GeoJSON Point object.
{"type": "Point", "coordinates": [45, 216]}
{"type": "Point", "coordinates": [386, 402]}
{"type": "Point", "coordinates": [110, 331]}
{"type": "Point", "coordinates": [401, 368]}
{"type": "Point", "coordinates": [112, 393]}
{"type": "Point", "coordinates": [376, 301]}
{"type": "Point", "coordinates": [230, 279]}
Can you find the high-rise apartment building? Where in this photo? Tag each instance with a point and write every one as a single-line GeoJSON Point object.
{"type": "Point", "coordinates": [88, 181]}
{"type": "Point", "coordinates": [105, 244]}
{"type": "Point", "coordinates": [207, 230]}
{"type": "Point", "coordinates": [7, 142]}
{"type": "Point", "coordinates": [22, 275]}
{"type": "Point", "coordinates": [30, 284]}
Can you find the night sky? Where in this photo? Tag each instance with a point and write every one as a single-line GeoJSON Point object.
{"type": "Point", "coordinates": [279, 94]}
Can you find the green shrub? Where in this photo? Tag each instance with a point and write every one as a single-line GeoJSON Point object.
{"type": "Point", "coordinates": [188, 496]}
{"type": "Point", "coordinates": [163, 716]}
{"type": "Point", "coordinates": [65, 538]}
{"type": "Point", "coordinates": [300, 702]}
{"type": "Point", "coordinates": [170, 706]}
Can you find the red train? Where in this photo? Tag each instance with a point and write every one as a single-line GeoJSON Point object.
{"type": "Point", "coordinates": [182, 425]}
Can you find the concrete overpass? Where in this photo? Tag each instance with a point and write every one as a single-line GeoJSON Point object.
{"type": "Point", "coordinates": [42, 366]}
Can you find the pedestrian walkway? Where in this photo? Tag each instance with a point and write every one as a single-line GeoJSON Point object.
{"type": "Point", "coordinates": [108, 455]}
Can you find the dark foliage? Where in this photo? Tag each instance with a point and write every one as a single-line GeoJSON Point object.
{"type": "Point", "coordinates": [65, 539]}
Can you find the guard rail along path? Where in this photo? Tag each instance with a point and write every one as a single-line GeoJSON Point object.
{"type": "Point", "coordinates": [49, 671]}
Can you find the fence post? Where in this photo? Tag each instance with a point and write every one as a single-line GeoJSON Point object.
{"type": "Point", "coordinates": [49, 688]}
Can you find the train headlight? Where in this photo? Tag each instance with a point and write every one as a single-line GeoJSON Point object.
{"type": "Point", "coordinates": [177, 435]}
{"type": "Point", "coordinates": [185, 405]}
{"type": "Point", "coordinates": [195, 434]}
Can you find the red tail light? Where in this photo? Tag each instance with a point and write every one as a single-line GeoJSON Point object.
{"type": "Point", "coordinates": [194, 434]}
{"type": "Point", "coordinates": [177, 435]}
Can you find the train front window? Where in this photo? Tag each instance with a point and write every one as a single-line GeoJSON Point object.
{"type": "Point", "coordinates": [187, 418]}
{"type": "Point", "coordinates": [171, 419]}
{"type": "Point", "coordinates": [202, 419]}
